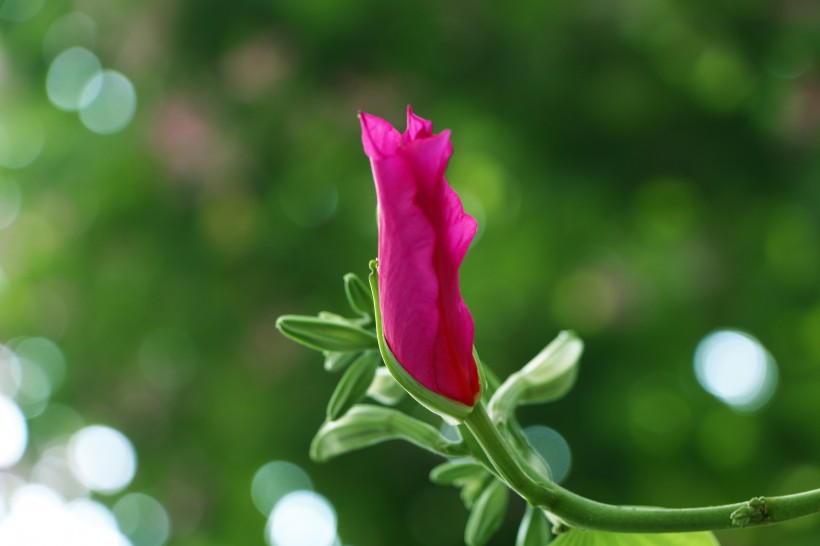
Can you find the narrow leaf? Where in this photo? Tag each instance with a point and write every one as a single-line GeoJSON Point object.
{"type": "Point", "coordinates": [534, 529]}
{"type": "Point", "coordinates": [326, 334]}
{"type": "Point", "coordinates": [455, 472]}
{"type": "Point", "coordinates": [472, 489]}
{"type": "Point", "coordinates": [336, 361]}
{"type": "Point", "coordinates": [358, 295]}
{"type": "Point", "coordinates": [385, 389]}
{"type": "Point", "coordinates": [365, 425]}
{"type": "Point", "coordinates": [353, 385]}
{"type": "Point", "coordinates": [547, 377]}
{"type": "Point", "coordinates": [487, 514]}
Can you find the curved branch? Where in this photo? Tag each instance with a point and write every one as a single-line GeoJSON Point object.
{"type": "Point", "coordinates": [589, 514]}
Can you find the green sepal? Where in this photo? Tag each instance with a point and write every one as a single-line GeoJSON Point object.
{"type": "Point", "coordinates": [577, 537]}
{"type": "Point", "coordinates": [358, 295]}
{"type": "Point", "coordinates": [384, 388]}
{"type": "Point", "coordinates": [336, 361]}
{"type": "Point", "coordinates": [365, 425]}
{"type": "Point", "coordinates": [451, 411]}
{"type": "Point", "coordinates": [326, 334]}
{"type": "Point", "coordinates": [487, 514]}
{"type": "Point", "coordinates": [456, 472]}
{"type": "Point", "coordinates": [534, 529]}
{"type": "Point", "coordinates": [353, 385]}
{"type": "Point", "coordinates": [547, 377]}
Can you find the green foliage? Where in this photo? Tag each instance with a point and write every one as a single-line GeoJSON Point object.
{"type": "Point", "coordinates": [366, 425]}
{"type": "Point", "coordinates": [546, 378]}
{"type": "Point", "coordinates": [354, 384]}
{"type": "Point", "coordinates": [385, 389]}
{"type": "Point", "coordinates": [534, 529]}
{"type": "Point", "coordinates": [487, 514]}
{"type": "Point", "coordinates": [456, 472]}
{"type": "Point", "coordinates": [358, 295]}
{"type": "Point", "coordinates": [326, 333]}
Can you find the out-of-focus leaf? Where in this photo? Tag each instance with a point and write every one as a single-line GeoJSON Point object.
{"type": "Point", "coordinates": [487, 514]}
{"type": "Point", "coordinates": [336, 361]}
{"type": "Point", "coordinates": [326, 335]}
{"type": "Point", "coordinates": [358, 295]}
{"type": "Point", "coordinates": [353, 385]}
{"type": "Point", "coordinates": [547, 377]}
{"type": "Point", "coordinates": [456, 472]}
{"type": "Point", "coordinates": [385, 389]}
{"type": "Point", "coordinates": [472, 489]}
{"type": "Point", "coordinates": [534, 529]}
{"type": "Point", "coordinates": [365, 425]}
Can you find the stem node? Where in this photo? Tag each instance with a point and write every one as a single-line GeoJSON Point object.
{"type": "Point", "coordinates": [754, 511]}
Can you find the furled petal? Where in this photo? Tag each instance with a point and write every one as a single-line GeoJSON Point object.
{"type": "Point", "coordinates": [378, 136]}
{"type": "Point", "coordinates": [424, 234]}
{"type": "Point", "coordinates": [417, 127]}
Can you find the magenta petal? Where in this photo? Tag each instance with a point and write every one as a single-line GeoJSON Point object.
{"type": "Point", "coordinates": [417, 127]}
{"type": "Point", "coordinates": [378, 136]}
{"type": "Point", "coordinates": [424, 234]}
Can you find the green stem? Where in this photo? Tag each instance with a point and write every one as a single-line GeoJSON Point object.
{"type": "Point", "coordinates": [588, 514]}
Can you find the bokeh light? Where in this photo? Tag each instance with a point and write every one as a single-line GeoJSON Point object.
{"type": "Point", "coordinates": [102, 458]}
{"type": "Point", "coordinates": [19, 10]}
{"type": "Point", "coordinates": [275, 480]}
{"type": "Point", "coordinates": [10, 200]}
{"type": "Point", "coordinates": [53, 469]}
{"type": "Point", "coordinates": [302, 518]}
{"type": "Point", "coordinates": [735, 368]}
{"type": "Point", "coordinates": [75, 29]}
{"type": "Point", "coordinates": [553, 448]}
{"type": "Point", "coordinates": [143, 519]}
{"type": "Point", "coordinates": [108, 102]}
{"type": "Point", "coordinates": [37, 515]}
{"type": "Point", "coordinates": [13, 432]}
{"type": "Point", "coordinates": [35, 388]}
{"type": "Point", "coordinates": [47, 478]}
{"type": "Point", "coordinates": [68, 77]}
{"type": "Point", "coordinates": [10, 373]}
{"type": "Point", "coordinates": [46, 355]}
{"type": "Point", "coordinates": [22, 137]}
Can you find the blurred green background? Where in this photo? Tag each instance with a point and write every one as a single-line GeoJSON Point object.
{"type": "Point", "coordinates": [643, 171]}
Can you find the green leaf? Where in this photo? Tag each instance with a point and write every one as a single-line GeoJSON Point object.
{"type": "Point", "coordinates": [456, 472]}
{"type": "Point", "coordinates": [534, 529]}
{"type": "Point", "coordinates": [578, 537]}
{"type": "Point", "coordinates": [547, 377]}
{"type": "Point", "coordinates": [385, 389]}
{"type": "Point", "coordinates": [487, 514]}
{"type": "Point", "coordinates": [365, 425]}
{"type": "Point", "coordinates": [336, 361]}
{"type": "Point", "coordinates": [472, 489]}
{"type": "Point", "coordinates": [326, 334]}
{"type": "Point", "coordinates": [353, 385]}
{"type": "Point", "coordinates": [358, 295]}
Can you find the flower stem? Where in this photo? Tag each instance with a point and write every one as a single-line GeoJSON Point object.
{"type": "Point", "coordinates": [588, 514]}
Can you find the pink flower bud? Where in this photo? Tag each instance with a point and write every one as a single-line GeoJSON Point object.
{"type": "Point", "coordinates": [424, 234]}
